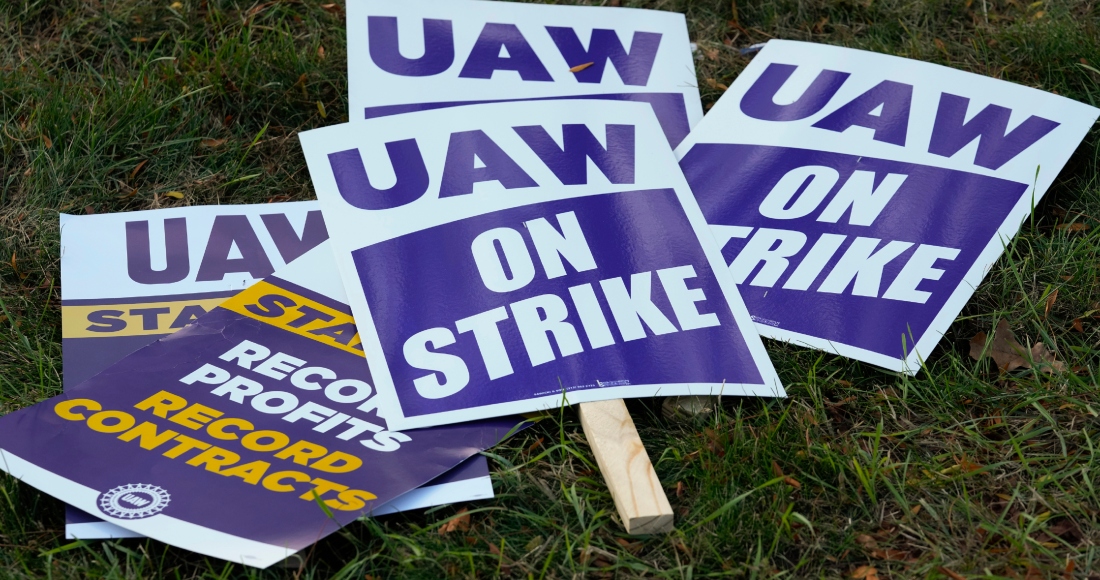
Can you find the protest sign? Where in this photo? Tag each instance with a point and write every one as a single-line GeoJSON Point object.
{"type": "Point", "coordinates": [860, 198]}
{"type": "Point", "coordinates": [425, 54]}
{"type": "Point", "coordinates": [520, 255]}
{"type": "Point", "coordinates": [248, 435]}
{"type": "Point", "coordinates": [131, 278]}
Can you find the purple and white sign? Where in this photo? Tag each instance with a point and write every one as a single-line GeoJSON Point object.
{"type": "Point", "coordinates": [524, 255]}
{"type": "Point", "coordinates": [248, 435]}
{"type": "Point", "coordinates": [129, 279]}
{"type": "Point", "coordinates": [859, 198]}
{"type": "Point", "coordinates": [426, 54]}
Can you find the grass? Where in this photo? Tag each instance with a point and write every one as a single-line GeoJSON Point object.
{"type": "Point", "coordinates": [108, 105]}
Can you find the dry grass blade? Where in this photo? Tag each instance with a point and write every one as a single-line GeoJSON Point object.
{"type": "Point", "coordinates": [581, 67]}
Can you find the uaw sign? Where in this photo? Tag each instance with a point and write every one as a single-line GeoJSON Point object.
{"type": "Point", "coordinates": [860, 198]}
{"type": "Point", "coordinates": [129, 279]}
{"type": "Point", "coordinates": [521, 255]}
{"type": "Point", "coordinates": [493, 51]}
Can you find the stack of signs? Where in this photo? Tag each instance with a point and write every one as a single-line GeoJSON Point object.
{"type": "Point", "coordinates": [129, 279]}
{"type": "Point", "coordinates": [521, 255]}
{"type": "Point", "coordinates": [247, 435]}
{"type": "Point", "coordinates": [417, 55]}
{"type": "Point", "coordinates": [861, 198]}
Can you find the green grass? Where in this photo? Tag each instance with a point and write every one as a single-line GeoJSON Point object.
{"type": "Point", "coordinates": [105, 106]}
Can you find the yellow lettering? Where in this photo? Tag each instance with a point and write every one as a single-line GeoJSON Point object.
{"type": "Point", "coordinates": [64, 409]}
{"type": "Point", "coordinates": [337, 462]}
{"type": "Point", "coordinates": [302, 452]}
{"type": "Point", "coordinates": [252, 441]}
{"type": "Point", "coordinates": [161, 403]}
{"type": "Point", "coordinates": [98, 422]}
{"type": "Point", "coordinates": [195, 416]}
{"type": "Point", "coordinates": [185, 444]}
{"type": "Point", "coordinates": [217, 428]}
{"type": "Point", "coordinates": [149, 437]}
{"type": "Point", "coordinates": [274, 482]}
{"type": "Point", "coordinates": [214, 458]}
{"type": "Point", "coordinates": [249, 472]}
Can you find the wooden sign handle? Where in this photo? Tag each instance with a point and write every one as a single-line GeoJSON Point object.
{"type": "Point", "coordinates": [626, 468]}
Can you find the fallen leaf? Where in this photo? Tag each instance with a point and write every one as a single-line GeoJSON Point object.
{"type": "Point", "coordinates": [1077, 325]}
{"type": "Point", "coordinates": [493, 549]}
{"type": "Point", "coordinates": [711, 54]}
{"type": "Point", "coordinates": [139, 39]}
{"type": "Point", "coordinates": [321, 110]}
{"type": "Point", "coordinates": [792, 482]}
{"type": "Point", "coordinates": [461, 523]}
{"type": "Point", "coordinates": [47, 142]}
{"type": "Point", "coordinates": [1041, 354]}
{"type": "Point", "coordinates": [208, 142]}
{"type": "Point", "coordinates": [134, 173]}
{"type": "Point", "coordinates": [1067, 574]}
{"type": "Point", "coordinates": [679, 488]}
{"type": "Point", "coordinates": [1033, 573]}
{"type": "Point", "coordinates": [953, 574]}
{"type": "Point", "coordinates": [915, 509]}
{"type": "Point", "coordinates": [939, 44]}
{"type": "Point", "coordinates": [632, 547]}
{"type": "Point", "coordinates": [321, 52]}
{"type": "Point", "coordinates": [581, 67]}
{"type": "Point", "coordinates": [176, 5]}
{"type": "Point", "coordinates": [1050, 302]}
{"type": "Point", "coordinates": [776, 470]}
{"type": "Point", "coordinates": [865, 573]}
{"type": "Point", "coordinates": [1073, 227]}
{"type": "Point", "coordinates": [175, 194]}
{"type": "Point", "coordinates": [89, 210]}
{"type": "Point", "coordinates": [866, 541]}
{"type": "Point", "coordinates": [332, 8]}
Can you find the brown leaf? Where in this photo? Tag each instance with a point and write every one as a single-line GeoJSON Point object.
{"type": "Point", "coordinates": [1041, 354]}
{"type": "Point", "coordinates": [1067, 574]}
{"type": "Point", "coordinates": [776, 470]}
{"type": "Point", "coordinates": [679, 488]}
{"type": "Point", "coordinates": [321, 52]}
{"type": "Point", "coordinates": [581, 67]}
{"type": "Point", "coordinates": [711, 54]}
{"type": "Point", "coordinates": [1006, 352]}
{"type": "Point", "coordinates": [47, 142]}
{"type": "Point", "coordinates": [792, 482]}
{"type": "Point", "coordinates": [139, 39]}
{"type": "Point", "coordinates": [332, 8]}
{"type": "Point", "coordinates": [1033, 573]}
{"type": "Point", "coordinates": [134, 173]}
{"type": "Point", "coordinates": [212, 143]}
{"type": "Point", "coordinates": [953, 574]}
{"type": "Point", "coordinates": [865, 573]}
{"type": "Point", "coordinates": [459, 523]}
{"type": "Point", "coordinates": [1050, 302]}
{"type": "Point", "coordinates": [915, 509]}
{"type": "Point", "coordinates": [1073, 227]}
{"type": "Point", "coordinates": [632, 547]}
{"type": "Point", "coordinates": [1077, 325]}
{"type": "Point", "coordinates": [89, 210]}
{"type": "Point", "coordinates": [866, 541]}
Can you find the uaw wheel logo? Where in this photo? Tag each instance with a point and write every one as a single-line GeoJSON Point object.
{"type": "Point", "coordinates": [133, 501]}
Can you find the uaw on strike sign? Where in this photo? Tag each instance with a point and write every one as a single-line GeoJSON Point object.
{"type": "Point", "coordinates": [430, 54]}
{"type": "Point", "coordinates": [518, 256]}
{"type": "Point", "coordinates": [860, 198]}
{"type": "Point", "coordinates": [247, 435]}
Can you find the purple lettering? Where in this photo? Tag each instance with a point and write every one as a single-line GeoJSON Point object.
{"type": "Point", "coordinates": [231, 231]}
{"type": "Point", "coordinates": [286, 239]}
{"type": "Point", "coordinates": [106, 321]}
{"type": "Point", "coordinates": [138, 258]}
{"type": "Point", "coordinates": [271, 305]}
{"type": "Point", "coordinates": [341, 333]}
{"type": "Point", "coordinates": [439, 50]}
{"type": "Point", "coordinates": [633, 66]}
{"type": "Point", "coordinates": [890, 125]}
{"type": "Point", "coordinates": [150, 317]}
{"type": "Point", "coordinates": [996, 146]}
{"type": "Point", "coordinates": [354, 184]}
{"type": "Point", "coordinates": [485, 57]}
{"type": "Point", "coordinates": [569, 163]}
{"type": "Point", "coordinates": [187, 315]}
{"type": "Point", "coordinates": [759, 100]}
{"type": "Point", "coordinates": [460, 171]}
{"type": "Point", "coordinates": [308, 315]}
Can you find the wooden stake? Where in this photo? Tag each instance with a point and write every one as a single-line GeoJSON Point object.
{"type": "Point", "coordinates": [626, 468]}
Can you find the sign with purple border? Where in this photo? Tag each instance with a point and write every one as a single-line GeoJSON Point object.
{"type": "Point", "coordinates": [440, 53]}
{"type": "Point", "coordinates": [859, 198]}
{"type": "Point", "coordinates": [523, 255]}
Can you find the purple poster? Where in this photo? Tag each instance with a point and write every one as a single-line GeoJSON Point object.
{"type": "Point", "coordinates": [860, 198]}
{"type": "Point", "coordinates": [247, 435]}
{"type": "Point", "coordinates": [129, 279]}
{"type": "Point", "coordinates": [522, 256]}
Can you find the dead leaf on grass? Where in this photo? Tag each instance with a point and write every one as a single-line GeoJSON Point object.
{"type": "Point", "coordinates": [47, 142]}
{"type": "Point", "coordinates": [139, 39]}
{"type": "Point", "coordinates": [332, 8]}
{"type": "Point", "coordinates": [321, 52]}
{"type": "Point", "coordinates": [460, 523]}
{"type": "Point", "coordinates": [137, 169]}
{"type": "Point", "coordinates": [1008, 354]}
{"type": "Point", "coordinates": [1050, 303]}
{"type": "Point", "coordinates": [865, 573]}
{"type": "Point", "coordinates": [212, 143]}
{"type": "Point", "coordinates": [581, 67]}
{"type": "Point", "coordinates": [1073, 227]}
{"type": "Point", "coordinates": [1077, 325]}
